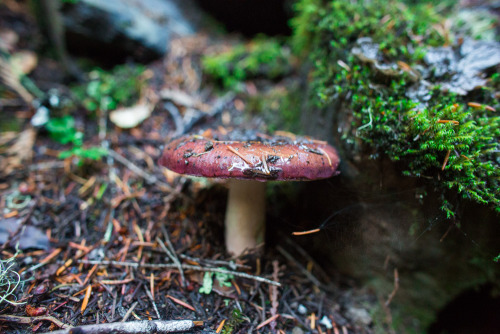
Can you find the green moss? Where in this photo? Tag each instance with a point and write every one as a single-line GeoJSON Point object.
{"type": "Point", "coordinates": [453, 145]}
{"type": "Point", "coordinates": [106, 90]}
{"type": "Point", "coordinates": [278, 106]}
{"type": "Point", "coordinates": [261, 57]}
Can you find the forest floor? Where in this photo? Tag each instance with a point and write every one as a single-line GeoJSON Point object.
{"type": "Point", "coordinates": [122, 239]}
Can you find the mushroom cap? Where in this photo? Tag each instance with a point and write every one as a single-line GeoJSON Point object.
{"type": "Point", "coordinates": [251, 156]}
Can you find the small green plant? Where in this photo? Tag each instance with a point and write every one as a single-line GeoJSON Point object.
{"type": "Point", "coordinates": [9, 281]}
{"type": "Point", "coordinates": [234, 322]}
{"type": "Point", "coordinates": [222, 278]}
{"type": "Point", "coordinates": [63, 130]}
{"type": "Point", "coordinates": [262, 57]}
{"type": "Point", "coordinates": [107, 90]}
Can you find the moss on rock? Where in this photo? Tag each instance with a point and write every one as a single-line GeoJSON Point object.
{"type": "Point", "coordinates": [374, 57]}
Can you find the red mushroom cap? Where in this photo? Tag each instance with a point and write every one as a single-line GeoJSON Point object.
{"type": "Point", "coordinates": [256, 157]}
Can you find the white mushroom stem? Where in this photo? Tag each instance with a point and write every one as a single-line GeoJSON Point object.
{"type": "Point", "coordinates": [245, 215]}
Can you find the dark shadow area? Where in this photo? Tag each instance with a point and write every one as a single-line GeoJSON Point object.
{"type": "Point", "coordinates": [473, 311]}
{"type": "Point", "coordinates": [251, 17]}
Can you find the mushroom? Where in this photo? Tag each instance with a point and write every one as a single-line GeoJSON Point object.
{"type": "Point", "coordinates": [249, 160]}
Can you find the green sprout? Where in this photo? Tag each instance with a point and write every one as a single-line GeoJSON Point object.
{"type": "Point", "coordinates": [223, 279]}
{"type": "Point", "coordinates": [63, 131]}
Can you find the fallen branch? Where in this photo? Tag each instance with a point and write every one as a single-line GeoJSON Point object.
{"type": "Point", "coordinates": [32, 320]}
{"type": "Point", "coordinates": [184, 266]}
{"type": "Point", "coordinates": [134, 327]}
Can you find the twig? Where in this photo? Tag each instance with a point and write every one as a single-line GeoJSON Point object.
{"type": "Point", "coordinates": [274, 294]}
{"type": "Point", "coordinates": [176, 116]}
{"type": "Point", "coordinates": [231, 264]}
{"type": "Point", "coordinates": [308, 274]}
{"type": "Point", "coordinates": [446, 158]}
{"type": "Point", "coordinates": [151, 179]}
{"type": "Point", "coordinates": [396, 287]}
{"type": "Point", "coordinates": [232, 149]}
{"type": "Point", "coordinates": [271, 319]}
{"type": "Point", "coordinates": [173, 253]}
{"type": "Point", "coordinates": [185, 267]}
{"type": "Point", "coordinates": [306, 232]}
{"type": "Point", "coordinates": [32, 320]}
{"type": "Point", "coordinates": [153, 302]}
{"type": "Point", "coordinates": [129, 312]}
{"type": "Point", "coordinates": [134, 327]}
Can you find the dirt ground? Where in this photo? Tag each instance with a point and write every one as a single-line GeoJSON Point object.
{"type": "Point", "coordinates": [123, 239]}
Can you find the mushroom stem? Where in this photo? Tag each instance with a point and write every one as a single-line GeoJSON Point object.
{"type": "Point", "coordinates": [245, 215]}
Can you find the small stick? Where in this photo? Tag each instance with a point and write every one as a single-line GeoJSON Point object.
{"type": "Point", "coordinates": [327, 157]}
{"type": "Point", "coordinates": [32, 320]}
{"type": "Point", "coordinates": [133, 327]}
{"type": "Point", "coordinates": [308, 274]}
{"type": "Point", "coordinates": [174, 254]}
{"type": "Point", "coordinates": [145, 175]}
{"type": "Point", "coordinates": [396, 287]}
{"type": "Point", "coordinates": [448, 121]}
{"type": "Point", "coordinates": [153, 302]}
{"type": "Point", "coordinates": [174, 259]}
{"type": "Point", "coordinates": [129, 312]}
{"type": "Point", "coordinates": [306, 232]}
{"type": "Point", "coordinates": [184, 266]}
{"type": "Point", "coordinates": [230, 264]}
{"type": "Point", "coordinates": [267, 321]}
{"type": "Point", "coordinates": [446, 159]}
{"type": "Point", "coordinates": [230, 148]}
{"type": "Point", "coordinates": [264, 164]}
{"type": "Point", "coordinates": [474, 104]}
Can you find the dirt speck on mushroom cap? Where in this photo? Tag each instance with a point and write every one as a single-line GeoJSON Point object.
{"type": "Point", "coordinates": [258, 158]}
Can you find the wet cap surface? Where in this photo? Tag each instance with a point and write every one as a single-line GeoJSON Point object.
{"type": "Point", "coordinates": [251, 156]}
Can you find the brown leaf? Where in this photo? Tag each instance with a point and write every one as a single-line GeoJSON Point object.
{"type": "Point", "coordinates": [34, 311]}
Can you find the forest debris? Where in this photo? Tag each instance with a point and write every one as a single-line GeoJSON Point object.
{"type": "Point", "coordinates": [85, 301]}
{"type": "Point", "coordinates": [184, 266]}
{"type": "Point", "coordinates": [306, 232]}
{"type": "Point", "coordinates": [11, 80]}
{"type": "Point", "coordinates": [180, 302]}
{"type": "Point", "coordinates": [396, 287]}
{"type": "Point", "coordinates": [267, 321]}
{"type": "Point", "coordinates": [130, 117]}
{"type": "Point", "coordinates": [274, 294]}
{"type": "Point", "coordinates": [183, 99]}
{"type": "Point", "coordinates": [25, 61]}
{"type": "Point", "coordinates": [20, 152]}
{"type": "Point", "coordinates": [32, 320]}
{"type": "Point", "coordinates": [221, 325]}
{"type": "Point", "coordinates": [133, 327]}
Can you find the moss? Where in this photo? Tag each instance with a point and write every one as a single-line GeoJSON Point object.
{"type": "Point", "coordinates": [261, 57]}
{"type": "Point", "coordinates": [279, 107]}
{"type": "Point", "coordinates": [451, 143]}
{"type": "Point", "coordinates": [107, 90]}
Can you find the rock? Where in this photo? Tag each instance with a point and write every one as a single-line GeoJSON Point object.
{"type": "Point", "coordinates": [297, 330]}
{"type": "Point", "coordinates": [30, 237]}
{"type": "Point", "coordinates": [359, 316]}
{"type": "Point", "coordinates": [461, 70]}
{"type": "Point", "coordinates": [122, 28]}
